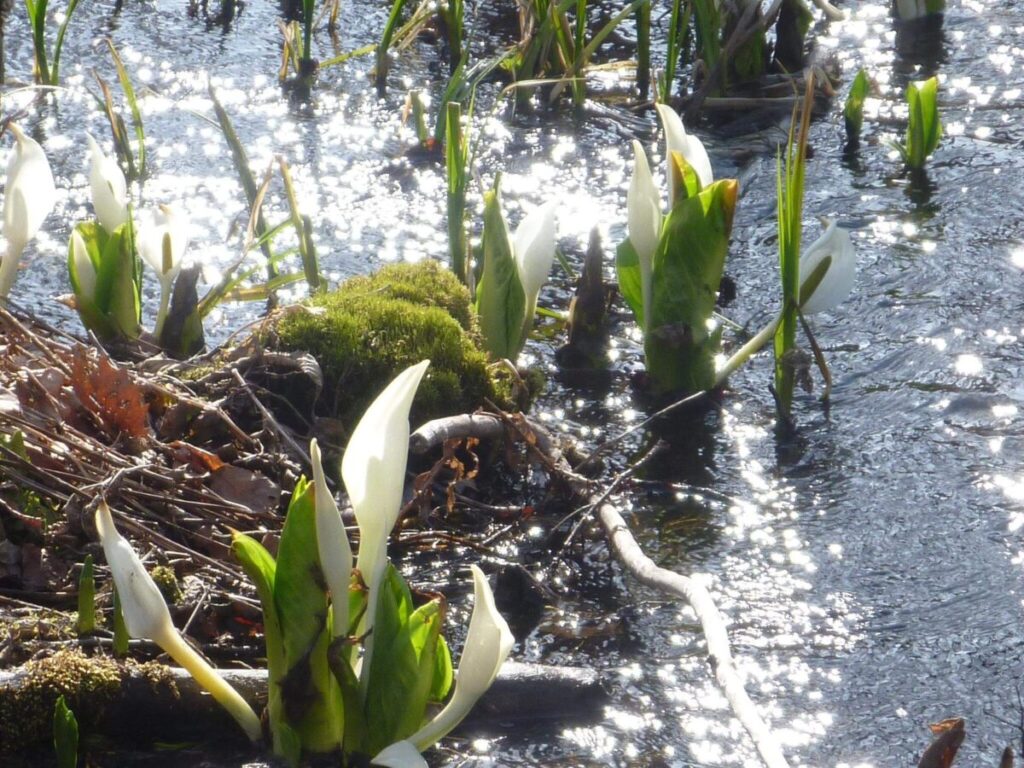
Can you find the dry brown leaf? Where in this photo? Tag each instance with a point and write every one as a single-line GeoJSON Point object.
{"type": "Point", "coordinates": [109, 392]}
{"type": "Point", "coordinates": [949, 735]}
{"type": "Point", "coordinates": [247, 488]}
{"type": "Point", "coordinates": [203, 461]}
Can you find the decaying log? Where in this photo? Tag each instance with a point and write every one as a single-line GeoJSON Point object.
{"type": "Point", "coordinates": [693, 592]}
{"type": "Point", "coordinates": [146, 703]}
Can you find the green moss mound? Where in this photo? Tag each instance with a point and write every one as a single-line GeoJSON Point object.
{"type": "Point", "coordinates": [371, 328]}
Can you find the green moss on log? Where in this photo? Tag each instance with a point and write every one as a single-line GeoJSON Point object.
{"type": "Point", "coordinates": [371, 328]}
{"type": "Point", "coordinates": [26, 712]}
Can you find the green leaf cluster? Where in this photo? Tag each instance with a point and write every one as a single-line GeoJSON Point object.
{"type": "Point", "coordinates": [113, 309]}
{"type": "Point", "coordinates": [790, 192]}
{"type": "Point", "coordinates": [315, 704]}
{"type": "Point", "coordinates": [924, 128]}
{"type": "Point", "coordinates": [686, 271]}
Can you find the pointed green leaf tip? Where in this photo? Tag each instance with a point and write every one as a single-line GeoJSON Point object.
{"type": "Point", "coordinates": [853, 111]}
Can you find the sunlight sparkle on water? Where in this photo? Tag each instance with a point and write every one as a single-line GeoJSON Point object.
{"type": "Point", "coordinates": [969, 365]}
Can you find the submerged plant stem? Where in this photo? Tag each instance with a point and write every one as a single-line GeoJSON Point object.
{"type": "Point", "coordinates": [748, 350]}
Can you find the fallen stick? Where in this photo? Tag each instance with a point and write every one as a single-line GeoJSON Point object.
{"type": "Point", "coordinates": [693, 592]}
{"type": "Point", "coordinates": [143, 703]}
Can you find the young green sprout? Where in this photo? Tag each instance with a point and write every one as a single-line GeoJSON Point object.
{"type": "Point", "coordinates": [924, 126]}
{"type": "Point", "coordinates": [515, 269]}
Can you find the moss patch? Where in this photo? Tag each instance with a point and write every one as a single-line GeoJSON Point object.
{"type": "Point", "coordinates": [371, 328]}
{"type": "Point", "coordinates": [26, 713]}
{"type": "Point", "coordinates": [167, 583]}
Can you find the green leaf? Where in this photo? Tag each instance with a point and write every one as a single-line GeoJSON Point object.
{"type": "Point", "coordinates": [687, 270]}
{"type": "Point", "coordinates": [500, 299]}
{"type": "Point", "coordinates": [259, 566]}
{"type": "Point", "coordinates": [685, 181]}
{"type": "Point", "coordinates": [115, 309]}
{"type": "Point", "coordinates": [339, 659]}
{"type": "Point", "coordinates": [65, 734]}
{"type": "Point", "coordinates": [15, 443]}
{"type": "Point", "coordinates": [86, 599]}
{"type": "Point", "coordinates": [310, 699]}
{"type": "Point", "coordinates": [120, 629]}
{"type": "Point", "coordinates": [627, 266]}
{"type": "Point", "coordinates": [92, 313]}
{"type": "Point", "coordinates": [853, 111]}
{"type": "Point", "coordinates": [444, 673]}
{"type": "Point", "coordinates": [924, 128]}
{"type": "Point", "coordinates": [403, 664]}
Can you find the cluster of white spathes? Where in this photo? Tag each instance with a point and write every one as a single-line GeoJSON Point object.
{"type": "Point", "coordinates": [373, 470]}
{"type": "Point", "coordinates": [822, 287]}
{"type": "Point", "coordinates": [161, 233]}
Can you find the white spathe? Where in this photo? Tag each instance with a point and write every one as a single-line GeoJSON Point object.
{"type": "Point", "coordinates": [401, 754]}
{"type": "Point", "coordinates": [488, 643]}
{"type": "Point", "coordinates": [838, 280]}
{"type": "Point", "coordinates": [373, 469]}
{"type": "Point", "coordinates": [533, 247]}
{"type": "Point", "coordinates": [108, 186]}
{"type": "Point", "coordinates": [85, 272]}
{"type": "Point", "coordinates": [162, 237]}
{"type": "Point", "coordinates": [29, 197]}
{"type": "Point", "coordinates": [690, 147]}
{"type": "Point", "coordinates": [146, 617]}
{"type": "Point", "coordinates": [332, 544]}
{"type": "Point", "coordinates": [644, 219]}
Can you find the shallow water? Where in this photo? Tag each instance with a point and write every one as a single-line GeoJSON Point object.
{"type": "Point", "coordinates": [871, 567]}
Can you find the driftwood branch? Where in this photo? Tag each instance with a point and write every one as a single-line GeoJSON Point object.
{"type": "Point", "coordinates": [693, 592]}
{"type": "Point", "coordinates": [142, 703]}
{"type": "Point", "coordinates": [633, 559]}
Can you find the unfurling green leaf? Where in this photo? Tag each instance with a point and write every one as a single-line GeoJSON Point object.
{"type": "Point", "coordinates": [86, 599]}
{"type": "Point", "coordinates": [924, 127]}
{"type": "Point", "coordinates": [65, 735]}
{"type": "Point", "coordinates": [311, 704]}
{"type": "Point", "coordinates": [853, 111]}
{"type": "Point", "coordinates": [627, 267]}
{"type": "Point", "coordinates": [500, 298]}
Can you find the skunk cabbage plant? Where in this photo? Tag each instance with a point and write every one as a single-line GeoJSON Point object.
{"type": "Point", "coordinates": [162, 239]}
{"type": "Point", "coordinates": [828, 270]}
{"type": "Point", "coordinates": [320, 611]}
{"type": "Point", "coordinates": [670, 266]}
{"type": "Point", "coordinates": [515, 269]}
{"type": "Point", "coordinates": [488, 644]}
{"type": "Point", "coordinates": [924, 127]}
{"type": "Point", "coordinates": [147, 618]}
{"type": "Point", "coordinates": [29, 196]}
{"type": "Point", "coordinates": [102, 266]}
